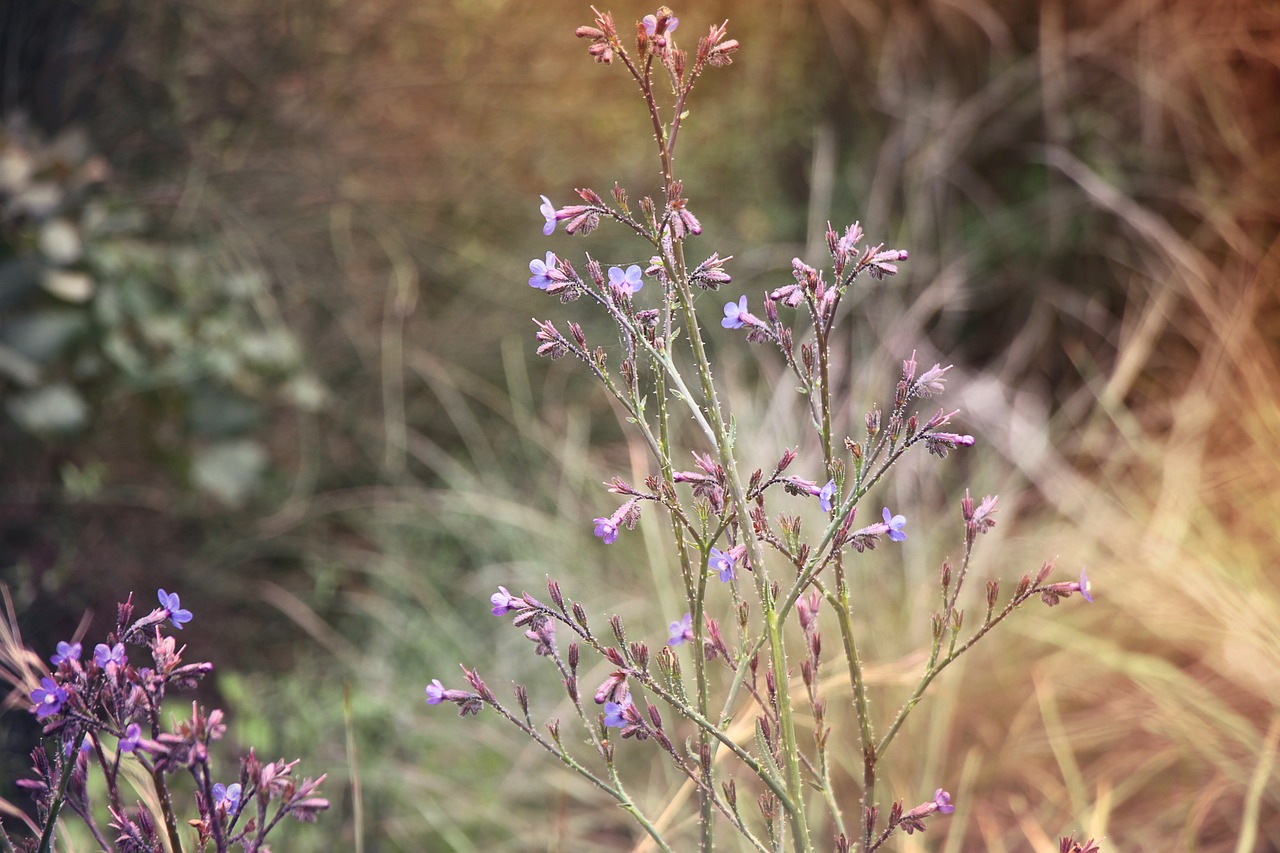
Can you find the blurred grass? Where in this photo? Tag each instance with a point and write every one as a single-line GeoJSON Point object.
{"type": "Point", "coordinates": [1088, 193]}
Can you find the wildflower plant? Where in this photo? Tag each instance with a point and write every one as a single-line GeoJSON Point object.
{"type": "Point", "coordinates": [104, 713]}
{"type": "Point", "coordinates": [757, 582]}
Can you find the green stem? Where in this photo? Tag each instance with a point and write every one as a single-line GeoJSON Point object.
{"type": "Point", "coordinates": [68, 768]}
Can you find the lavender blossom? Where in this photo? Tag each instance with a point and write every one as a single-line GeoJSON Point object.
{"type": "Point", "coordinates": [826, 494]}
{"type": "Point", "coordinates": [66, 652]}
{"type": "Point", "coordinates": [651, 24]}
{"type": "Point", "coordinates": [1084, 586]}
{"type": "Point", "coordinates": [721, 562]}
{"type": "Point", "coordinates": [895, 524]}
{"type": "Point", "coordinates": [627, 282]}
{"type": "Point", "coordinates": [132, 735]}
{"type": "Point", "coordinates": [227, 796]}
{"type": "Point", "coordinates": [435, 692]}
{"type": "Point", "coordinates": [543, 271]}
{"type": "Point", "coordinates": [681, 632]}
{"type": "Point", "coordinates": [735, 314]}
{"type": "Point", "coordinates": [548, 211]}
{"type": "Point", "coordinates": [169, 601]}
{"type": "Point", "coordinates": [103, 655]}
{"type": "Point", "coordinates": [614, 712]}
{"type": "Point", "coordinates": [502, 602]}
{"type": "Point", "coordinates": [626, 515]}
{"type": "Point", "coordinates": [606, 530]}
{"type": "Point", "coordinates": [48, 698]}
{"type": "Point", "coordinates": [913, 821]}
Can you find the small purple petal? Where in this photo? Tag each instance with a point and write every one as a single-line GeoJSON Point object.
{"type": "Point", "coordinates": [606, 530]}
{"type": "Point", "coordinates": [721, 562]}
{"type": "Point", "coordinates": [732, 314]}
{"type": "Point", "coordinates": [1085, 587]}
{"type": "Point", "coordinates": [541, 270]}
{"type": "Point", "coordinates": [169, 601]}
{"type": "Point", "coordinates": [501, 601]}
{"type": "Point", "coordinates": [895, 524]}
{"type": "Point", "coordinates": [66, 652]}
{"type": "Point", "coordinates": [631, 280]}
{"type": "Point", "coordinates": [132, 734]}
{"type": "Point", "coordinates": [548, 211]}
{"type": "Point", "coordinates": [680, 631]}
{"type": "Point", "coordinates": [435, 692]}
{"type": "Point", "coordinates": [824, 496]}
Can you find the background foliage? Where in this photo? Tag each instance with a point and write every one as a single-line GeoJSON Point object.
{"type": "Point", "coordinates": [287, 371]}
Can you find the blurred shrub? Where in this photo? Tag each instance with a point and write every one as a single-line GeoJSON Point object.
{"type": "Point", "coordinates": [96, 314]}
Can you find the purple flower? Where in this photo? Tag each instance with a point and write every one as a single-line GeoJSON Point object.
{"type": "Point", "coordinates": [132, 734]}
{"type": "Point", "coordinates": [614, 712]}
{"type": "Point", "coordinates": [825, 496]}
{"type": "Point", "coordinates": [681, 631]}
{"type": "Point", "coordinates": [606, 530]}
{"type": "Point", "coordinates": [895, 524]}
{"type": "Point", "coordinates": [66, 651]}
{"type": "Point", "coordinates": [85, 745]}
{"type": "Point", "coordinates": [502, 602]}
{"type": "Point", "coordinates": [651, 24]}
{"type": "Point", "coordinates": [628, 514]}
{"type": "Point", "coordinates": [1085, 587]}
{"type": "Point", "coordinates": [48, 698]}
{"type": "Point", "coordinates": [435, 692]}
{"type": "Point", "coordinates": [630, 280]}
{"type": "Point", "coordinates": [735, 314]}
{"type": "Point", "coordinates": [227, 796]}
{"type": "Point", "coordinates": [169, 601]}
{"type": "Point", "coordinates": [548, 211]}
{"type": "Point", "coordinates": [943, 801]}
{"type": "Point", "coordinates": [541, 270]}
{"type": "Point", "coordinates": [721, 562]}
{"type": "Point", "coordinates": [103, 655]}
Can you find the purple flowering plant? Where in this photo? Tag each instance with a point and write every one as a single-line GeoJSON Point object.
{"type": "Point", "coordinates": [104, 713]}
{"type": "Point", "coordinates": [736, 528]}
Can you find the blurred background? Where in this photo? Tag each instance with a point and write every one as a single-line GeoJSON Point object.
{"type": "Point", "coordinates": [265, 340]}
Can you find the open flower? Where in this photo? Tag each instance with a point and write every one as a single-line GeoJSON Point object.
{"type": "Point", "coordinates": [132, 735]}
{"type": "Point", "coordinates": [48, 698]}
{"type": "Point", "coordinates": [614, 712]}
{"type": "Point", "coordinates": [548, 211]}
{"type": "Point", "coordinates": [826, 494]}
{"type": "Point", "coordinates": [227, 796]}
{"type": "Point", "coordinates": [651, 24]}
{"type": "Point", "coordinates": [895, 523]}
{"type": "Point", "coordinates": [542, 270]}
{"type": "Point", "coordinates": [66, 652]}
{"type": "Point", "coordinates": [606, 530]}
{"type": "Point", "coordinates": [627, 514]}
{"type": "Point", "coordinates": [681, 631]}
{"type": "Point", "coordinates": [735, 314]}
{"type": "Point", "coordinates": [169, 601]}
{"type": "Point", "coordinates": [502, 602]}
{"type": "Point", "coordinates": [103, 655]}
{"type": "Point", "coordinates": [630, 281]}
{"type": "Point", "coordinates": [721, 562]}
{"type": "Point", "coordinates": [1085, 587]}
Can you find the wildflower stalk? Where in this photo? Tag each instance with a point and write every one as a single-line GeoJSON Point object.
{"type": "Point", "coordinates": [68, 768]}
{"type": "Point", "coordinates": [720, 439]}
{"type": "Point", "coordinates": [166, 808]}
{"type": "Point", "coordinates": [724, 509]}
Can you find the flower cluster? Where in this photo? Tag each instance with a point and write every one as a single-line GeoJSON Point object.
{"type": "Point", "coordinates": [87, 705]}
